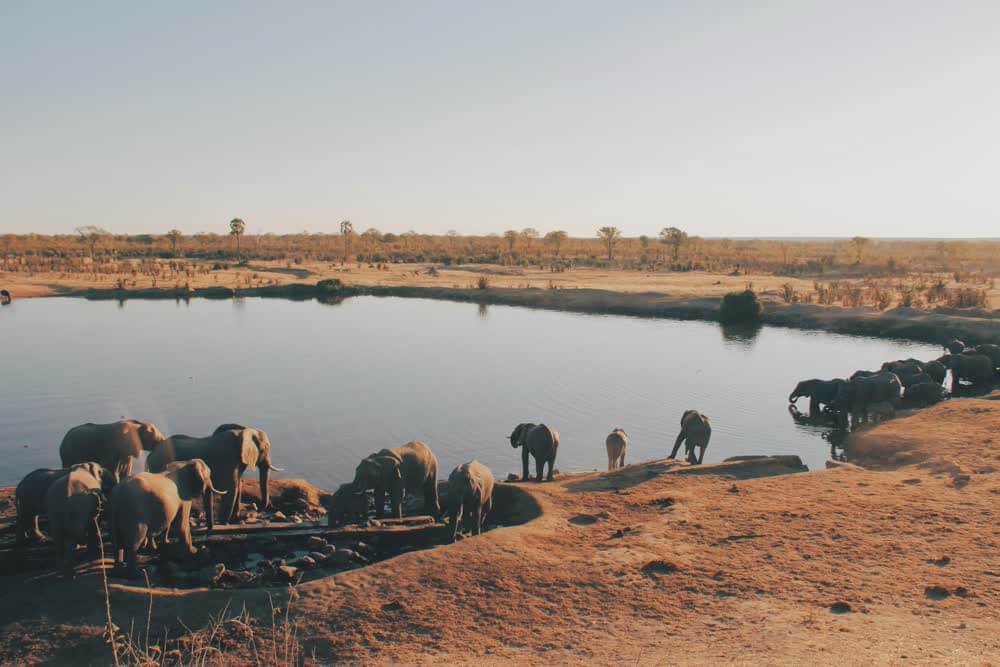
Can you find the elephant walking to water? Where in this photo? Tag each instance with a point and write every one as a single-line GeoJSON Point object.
{"type": "Point", "coordinates": [820, 392]}
{"type": "Point", "coordinates": [407, 469]}
{"type": "Point", "coordinates": [696, 431]}
{"type": "Point", "coordinates": [112, 445]}
{"type": "Point", "coordinates": [150, 504]}
{"type": "Point", "coordinates": [229, 451]}
{"type": "Point", "coordinates": [470, 497]}
{"type": "Point", "coordinates": [536, 440]}
{"type": "Point", "coordinates": [73, 502]}
{"type": "Point", "coordinates": [616, 442]}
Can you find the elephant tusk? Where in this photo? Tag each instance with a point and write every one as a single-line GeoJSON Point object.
{"type": "Point", "coordinates": [216, 491]}
{"type": "Point", "coordinates": [275, 468]}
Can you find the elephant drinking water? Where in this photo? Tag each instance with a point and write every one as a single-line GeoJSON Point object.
{"type": "Point", "coordinates": [820, 392]}
{"type": "Point", "coordinates": [407, 469]}
{"type": "Point", "coordinates": [696, 431]}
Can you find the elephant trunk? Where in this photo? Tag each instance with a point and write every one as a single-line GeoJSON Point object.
{"type": "Point", "coordinates": [265, 495]}
{"type": "Point", "coordinates": [209, 502]}
{"type": "Point", "coordinates": [792, 397]}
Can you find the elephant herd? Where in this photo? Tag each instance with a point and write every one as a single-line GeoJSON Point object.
{"type": "Point", "coordinates": [875, 395]}
{"type": "Point", "coordinates": [97, 478]}
{"type": "Point", "coordinates": [143, 509]}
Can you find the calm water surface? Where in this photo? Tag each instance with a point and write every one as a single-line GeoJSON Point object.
{"type": "Point", "coordinates": [333, 383]}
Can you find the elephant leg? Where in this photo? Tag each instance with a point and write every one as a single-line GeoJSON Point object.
{"type": "Point", "coordinates": [677, 445]}
{"type": "Point", "coordinates": [539, 468]}
{"type": "Point", "coordinates": [813, 407]}
{"type": "Point", "coordinates": [479, 518]}
{"type": "Point", "coordinates": [456, 518]}
{"type": "Point", "coordinates": [611, 462]}
{"type": "Point", "coordinates": [621, 461]}
{"type": "Point", "coordinates": [379, 503]}
{"type": "Point", "coordinates": [552, 462]}
{"type": "Point", "coordinates": [136, 539]}
{"type": "Point", "coordinates": [701, 453]}
{"type": "Point", "coordinates": [487, 506]}
{"type": "Point", "coordinates": [524, 463]}
{"type": "Point", "coordinates": [431, 504]}
{"type": "Point", "coordinates": [229, 504]}
{"type": "Point", "coordinates": [183, 523]}
{"type": "Point", "coordinates": [235, 518]}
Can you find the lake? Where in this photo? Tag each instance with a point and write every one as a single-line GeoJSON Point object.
{"type": "Point", "coordinates": [332, 383]}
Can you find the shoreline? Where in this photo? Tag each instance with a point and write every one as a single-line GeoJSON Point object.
{"type": "Point", "coordinates": [899, 323]}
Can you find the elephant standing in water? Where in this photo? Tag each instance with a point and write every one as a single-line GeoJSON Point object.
{"type": "Point", "coordinates": [470, 496]}
{"type": "Point", "coordinates": [150, 504]}
{"type": "Point", "coordinates": [820, 392]}
{"type": "Point", "coordinates": [73, 502]}
{"type": "Point", "coordinates": [616, 442]}
{"type": "Point", "coordinates": [229, 451]}
{"type": "Point", "coordinates": [536, 440]}
{"type": "Point", "coordinates": [696, 431]}
{"type": "Point", "coordinates": [406, 469]}
{"type": "Point", "coordinates": [865, 390]}
{"type": "Point", "coordinates": [112, 445]}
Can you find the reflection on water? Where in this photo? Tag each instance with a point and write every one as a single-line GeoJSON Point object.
{"type": "Point", "coordinates": [333, 384]}
{"type": "Point", "coordinates": [741, 334]}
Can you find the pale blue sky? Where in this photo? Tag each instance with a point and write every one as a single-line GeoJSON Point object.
{"type": "Point", "coordinates": [789, 118]}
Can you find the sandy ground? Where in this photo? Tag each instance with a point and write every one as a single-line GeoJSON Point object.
{"type": "Point", "coordinates": [649, 565]}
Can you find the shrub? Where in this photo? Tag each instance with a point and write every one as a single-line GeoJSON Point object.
{"type": "Point", "coordinates": [483, 282]}
{"type": "Point", "coordinates": [740, 307]}
{"type": "Point", "coordinates": [788, 292]}
{"type": "Point", "coordinates": [330, 285]}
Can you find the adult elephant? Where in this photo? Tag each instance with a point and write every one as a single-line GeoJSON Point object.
{"type": "Point", "coordinates": [73, 502]}
{"type": "Point", "coordinates": [536, 440]}
{"type": "Point", "coordinates": [150, 504]}
{"type": "Point", "coordinates": [976, 368]}
{"type": "Point", "coordinates": [916, 378]}
{"type": "Point", "coordinates": [992, 351]}
{"type": "Point", "coordinates": [615, 443]}
{"type": "Point", "coordinates": [31, 499]}
{"type": "Point", "coordinates": [955, 346]}
{"type": "Point", "coordinates": [407, 469]}
{"type": "Point", "coordinates": [923, 395]}
{"type": "Point", "coordinates": [858, 395]}
{"type": "Point", "coordinates": [936, 370]}
{"type": "Point", "coordinates": [820, 392]}
{"type": "Point", "coordinates": [903, 367]}
{"type": "Point", "coordinates": [231, 449]}
{"type": "Point", "coordinates": [112, 445]}
{"type": "Point", "coordinates": [470, 497]}
{"type": "Point", "coordinates": [696, 431]}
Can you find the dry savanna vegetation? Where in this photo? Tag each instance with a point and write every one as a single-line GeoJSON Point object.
{"type": "Point", "coordinates": [876, 273]}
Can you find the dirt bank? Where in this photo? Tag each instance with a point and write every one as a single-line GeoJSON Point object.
{"type": "Point", "coordinates": [647, 566]}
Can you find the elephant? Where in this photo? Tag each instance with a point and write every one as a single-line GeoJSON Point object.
{"type": "Point", "coordinates": [903, 367]}
{"type": "Point", "coordinates": [863, 391]}
{"type": "Point", "coordinates": [936, 370]}
{"type": "Point", "coordinates": [923, 395]}
{"type": "Point", "coordinates": [5, 297]}
{"type": "Point", "coordinates": [881, 411]}
{"type": "Point", "coordinates": [616, 442]}
{"type": "Point", "coordinates": [993, 352]}
{"type": "Point", "coordinates": [696, 431]}
{"type": "Point", "coordinates": [112, 445]}
{"type": "Point", "coordinates": [73, 502]}
{"type": "Point", "coordinates": [976, 368]}
{"type": "Point", "coordinates": [229, 451]}
{"type": "Point", "coordinates": [407, 469]}
{"type": "Point", "coordinates": [955, 346]}
{"type": "Point", "coordinates": [30, 497]}
{"type": "Point", "coordinates": [536, 440]}
{"type": "Point", "coordinates": [470, 496]}
{"type": "Point", "coordinates": [150, 504]}
{"type": "Point", "coordinates": [917, 378]}
{"type": "Point", "coordinates": [820, 392]}
{"type": "Point", "coordinates": [344, 505]}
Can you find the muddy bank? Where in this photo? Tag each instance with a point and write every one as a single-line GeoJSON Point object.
{"type": "Point", "coordinates": [905, 323]}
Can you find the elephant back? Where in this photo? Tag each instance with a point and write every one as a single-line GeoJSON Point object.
{"type": "Point", "coordinates": [543, 440]}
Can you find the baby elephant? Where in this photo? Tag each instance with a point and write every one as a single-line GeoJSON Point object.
{"type": "Point", "coordinates": [470, 496]}
{"type": "Point", "coordinates": [616, 442]}
{"type": "Point", "coordinates": [30, 498]}
{"type": "Point", "coordinates": [150, 504]}
{"type": "Point", "coordinates": [344, 505]}
{"type": "Point", "coordinates": [74, 501]}
{"type": "Point", "coordinates": [696, 431]}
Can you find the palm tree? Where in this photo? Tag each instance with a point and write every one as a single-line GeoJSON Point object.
{"type": "Point", "coordinates": [236, 228]}
{"type": "Point", "coordinates": [347, 230]}
{"type": "Point", "coordinates": [610, 236]}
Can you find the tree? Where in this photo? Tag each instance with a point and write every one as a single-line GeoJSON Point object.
{"type": "Point", "coordinates": [610, 236]}
{"type": "Point", "coordinates": [91, 234]}
{"type": "Point", "coordinates": [347, 230]}
{"type": "Point", "coordinates": [859, 243]}
{"type": "Point", "coordinates": [511, 236]}
{"type": "Point", "coordinates": [556, 239]}
{"type": "Point", "coordinates": [529, 234]}
{"type": "Point", "coordinates": [236, 228]}
{"type": "Point", "coordinates": [175, 236]}
{"type": "Point", "coordinates": [674, 238]}
{"type": "Point", "coordinates": [644, 242]}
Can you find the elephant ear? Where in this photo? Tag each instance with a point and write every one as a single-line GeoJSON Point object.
{"type": "Point", "coordinates": [249, 452]}
{"type": "Point", "coordinates": [130, 443]}
{"type": "Point", "coordinates": [518, 435]}
{"type": "Point", "coordinates": [263, 446]}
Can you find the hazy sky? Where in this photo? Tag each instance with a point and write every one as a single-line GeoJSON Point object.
{"type": "Point", "coordinates": [789, 118]}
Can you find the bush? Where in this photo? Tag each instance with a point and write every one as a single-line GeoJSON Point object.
{"type": "Point", "coordinates": [740, 307]}
{"type": "Point", "coordinates": [330, 285]}
{"type": "Point", "coordinates": [483, 282]}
